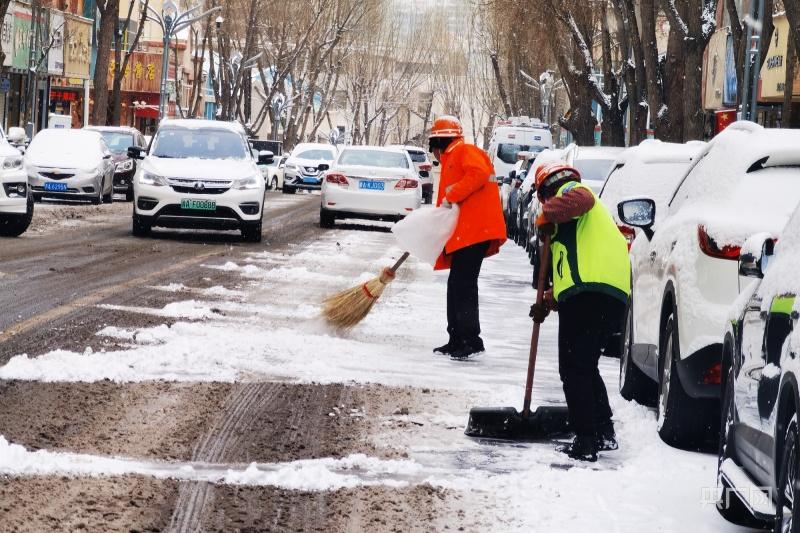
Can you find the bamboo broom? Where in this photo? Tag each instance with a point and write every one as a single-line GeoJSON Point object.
{"type": "Point", "coordinates": [347, 308]}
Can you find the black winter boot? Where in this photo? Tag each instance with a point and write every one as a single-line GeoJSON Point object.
{"type": "Point", "coordinates": [582, 448]}
{"type": "Point", "coordinates": [606, 438]}
{"type": "Point", "coordinates": [446, 349]}
{"type": "Point", "coordinates": [468, 349]}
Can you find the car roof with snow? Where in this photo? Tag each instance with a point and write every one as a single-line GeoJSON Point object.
{"type": "Point", "coordinates": [125, 129]}
{"type": "Point", "coordinates": [371, 148]}
{"type": "Point", "coordinates": [652, 151]}
{"type": "Point", "coordinates": [199, 123]}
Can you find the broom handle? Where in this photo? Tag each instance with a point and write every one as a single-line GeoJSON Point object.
{"type": "Point", "coordinates": [400, 262]}
{"type": "Point", "coordinates": [544, 258]}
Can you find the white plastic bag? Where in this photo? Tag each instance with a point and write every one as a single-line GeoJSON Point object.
{"type": "Point", "coordinates": [424, 232]}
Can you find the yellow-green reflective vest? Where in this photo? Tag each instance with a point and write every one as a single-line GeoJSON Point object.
{"type": "Point", "coordinates": [590, 253]}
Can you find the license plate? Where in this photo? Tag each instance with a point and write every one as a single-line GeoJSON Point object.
{"type": "Point", "coordinates": [53, 186]}
{"type": "Point", "coordinates": [310, 180]}
{"type": "Point", "coordinates": [371, 185]}
{"type": "Point", "coordinates": [199, 205]}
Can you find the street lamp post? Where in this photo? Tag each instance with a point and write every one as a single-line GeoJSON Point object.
{"type": "Point", "coordinates": [171, 22]}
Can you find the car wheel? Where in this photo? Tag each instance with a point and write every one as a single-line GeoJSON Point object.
{"type": "Point", "coordinates": [252, 233]}
{"type": "Point", "coordinates": [16, 225]}
{"type": "Point", "coordinates": [140, 227]}
{"type": "Point", "coordinates": [327, 220]}
{"type": "Point", "coordinates": [787, 516]}
{"type": "Point", "coordinates": [108, 198]}
{"type": "Point", "coordinates": [274, 184]}
{"type": "Point", "coordinates": [287, 189]}
{"type": "Point", "coordinates": [634, 385]}
{"type": "Point", "coordinates": [129, 194]}
{"type": "Point", "coordinates": [683, 422]}
{"type": "Point", "coordinates": [97, 200]}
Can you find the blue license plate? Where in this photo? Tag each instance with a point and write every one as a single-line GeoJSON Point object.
{"type": "Point", "coordinates": [310, 180]}
{"type": "Point", "coordinates": [53, 186]}
{"type": "Point", "coordinates": [371, 185]}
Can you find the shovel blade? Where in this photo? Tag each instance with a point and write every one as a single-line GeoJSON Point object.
{"type": "Point", "coordinates": [506, 423]}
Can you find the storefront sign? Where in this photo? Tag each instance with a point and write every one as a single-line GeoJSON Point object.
{"type": "Point", "coordinates": [22, 37]}
{"type": "Point", "coordinates": [729, 95]}
{"type": "Point", "coordinates": [55, 55]}
{"type": "Point", "coordinates": [7, 37]}
{"type": "Point", "coordinates": [77, 47]}
{"type": "Point", "coordinates": [142, 73]}
{"type": "Point", "coordinates": [715, 70]}
{"type": "Point", "coordinates": [773, 72]}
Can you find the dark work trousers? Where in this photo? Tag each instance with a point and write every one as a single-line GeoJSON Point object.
{"type": "Point", "coordinates": [585, 322]}
{"type": "Point", "coordinates": [463, 320]}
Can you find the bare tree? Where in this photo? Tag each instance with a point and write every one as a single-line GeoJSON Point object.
{"type": "Point", "coordinates": [109, 14]}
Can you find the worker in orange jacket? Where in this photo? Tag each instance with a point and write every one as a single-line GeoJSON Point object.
{"type": "Point", "coordinates": [467, 179]}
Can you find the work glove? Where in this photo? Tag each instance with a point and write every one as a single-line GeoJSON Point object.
{"type": "Point", "coordinates": [446, 204]}
{"type": "Point", "coordinates": [539, 312]}
{"type": "Point", "coordinates": [543, 227]}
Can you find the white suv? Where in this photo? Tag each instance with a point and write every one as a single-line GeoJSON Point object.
{"type": "Point", "coordinates": [302, 166]}
{"type": "Point", "coordinates": [16, 201]}
{"type": "Point", "coordinates": [685, 275]}
{"type": "Point", "coordinates": [198, 174]}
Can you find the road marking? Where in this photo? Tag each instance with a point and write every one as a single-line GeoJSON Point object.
{"type": "Point", "coordinates": [97, 296]}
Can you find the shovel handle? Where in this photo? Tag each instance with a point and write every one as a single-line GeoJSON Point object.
{"type": "Point", "coordinates": [544, 260]}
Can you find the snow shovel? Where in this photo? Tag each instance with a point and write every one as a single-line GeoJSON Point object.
{"type": "Point", "coordinates": [506, 422]}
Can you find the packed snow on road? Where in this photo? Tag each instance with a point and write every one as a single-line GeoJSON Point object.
{"type": "Point", "coordinates": [268, 328]}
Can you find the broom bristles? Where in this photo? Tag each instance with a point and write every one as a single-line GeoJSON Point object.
{"type": "Point", "coordinates": [347, 308]}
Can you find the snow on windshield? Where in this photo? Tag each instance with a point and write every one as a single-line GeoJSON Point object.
{"type": "Point", "coordinates": [593, 169]}
{"type": "Point", "coordinates": [373, 158]}
{"type": "Point", "coordinates": [68, 148]}
{"type": "Point", "coordinates": [323, 155]}
{"type": "Point", "coordinates": [117, 141]}
{"type": "Point", "coordinates": [656, 181]}
{"type": "Point", "coordinates": [183, 143]}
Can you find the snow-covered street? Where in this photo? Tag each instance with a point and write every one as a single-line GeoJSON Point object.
{"type": "Point", "coordinates": [259, 326]}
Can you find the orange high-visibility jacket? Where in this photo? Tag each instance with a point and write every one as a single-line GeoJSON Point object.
{"type": "Point", "coordinates": [467, 180]}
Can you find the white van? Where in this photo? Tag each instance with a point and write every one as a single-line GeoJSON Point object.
{"type": "Point", "coordinates": [518, 134]}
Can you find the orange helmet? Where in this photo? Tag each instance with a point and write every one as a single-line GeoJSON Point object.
{"type": "Point", "coordinates": [446, 126]}
{"type": "Point", "coordinates": [549, 174]}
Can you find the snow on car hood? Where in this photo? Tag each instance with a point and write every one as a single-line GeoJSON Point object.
{"type": "Point", "coordinates": [375, 172]}
{"type": "Point", "coordinates": [7, 150]}
{"type": "Point", "coordinates": [201, 168]}
{"type": "Point", "coordinates": [781, 276]}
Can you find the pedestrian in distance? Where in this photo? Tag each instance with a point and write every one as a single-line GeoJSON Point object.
{"type": "Point", "coordinates": [467, 179]}
{"type": "Point", "coordinates": [591, 275]}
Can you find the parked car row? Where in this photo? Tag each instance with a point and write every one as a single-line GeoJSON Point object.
{"type": "Point", "coordinates": [709, 335]}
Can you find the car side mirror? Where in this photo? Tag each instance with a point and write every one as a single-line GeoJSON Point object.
{"type": "Point", "coordinates": [265, 157]}
{"type": "Point", "coordinates": [755, 255]}
{"type": "Point", "coordinates": [322, 167]}
{"type": "Point", "coordinates": [639, 213]}
{"type": "Point", "coordinates": [136, 152]}
{"type": "Point", "coordinates": [424, 174]}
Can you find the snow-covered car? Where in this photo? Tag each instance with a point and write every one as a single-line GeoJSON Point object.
{"type": "Point", "coordinates": [302, 166]}
{"type": "Point", "coordinates": [118, 139]}
{"type": "Point", "coordinates": [16, 202]}
{"type": "Point", "coordinates": [70, 164]}
{"type": "Point", "coordinates": [652, 169]}
{"type": "Point", "coordinates": [369, 182]}
{"type": "Point", "coordinates": [198, 174]}
{"type": "Point", "coordinates": [275, 173]}
{"type": "Point", "coordinates": [759, 450]}
{"type": "Point", "coordinates": [424, 167]}
{"type": "Point", "coordinates": [685, 276]}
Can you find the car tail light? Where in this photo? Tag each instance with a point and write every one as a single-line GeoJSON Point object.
{"type": "Point", "coordinates": [407, 183]}
{"type": "Point", "coordinates": [337, 179]}
{"type": "Point", "coordinates": [713, 376]}
{"type": "Point", "coordinates": [710, 247]}
{"type": "Point", "coordinates": [425, 166]}
{"type": "Point", "coordinates": [628, 233]}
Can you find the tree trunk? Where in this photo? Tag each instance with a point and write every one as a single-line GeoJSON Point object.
{"type": "Point", "coordinates": [692, 96]}
{"type": "Point", "coordinates": [793, 16]}
{"type": "Point", "coordinates": [501, 89]}
{"type": "Point", "coordinates": [119, 71]}
{"type": "Point", "coordinates": [105, 35]}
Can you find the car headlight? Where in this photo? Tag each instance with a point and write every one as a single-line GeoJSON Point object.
{"type": "Point", "coordinates": [12, 162]}
{"type": "Point", "coordinates": [124, 166]}
{"type": "Point", "coordinates": [251, 182]}
{"type": "Point", "coordinates": [293, 168]}
{"type": "Point", "coordinates": [148, 178]}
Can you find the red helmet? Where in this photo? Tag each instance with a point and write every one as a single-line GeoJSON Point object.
{"type": "Point", "coordinates": [550, 174]}
{"type": "Point", "coordinates": [446, 126]}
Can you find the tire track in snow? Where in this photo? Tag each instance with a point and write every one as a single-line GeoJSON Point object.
{"type": "Point", "coordinates": [223, 436]}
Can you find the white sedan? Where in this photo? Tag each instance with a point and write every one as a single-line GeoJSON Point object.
{"type": "Point", "coordinates": [369, 182]}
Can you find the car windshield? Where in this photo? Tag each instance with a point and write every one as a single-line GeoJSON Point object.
{"type": "Point", "coordinates": [508, 152]}
{"type": "Point", "coordinates": [117, 141]}
{"type": "Point", "coordinates": [593, 169]}
{"type": "Point", "coordinates": [182, 143]}
{"type": "Point", "coordinates": [316, 153]}
{"type": "Point", "coordinates": [417, 157]}
{"type": "Point", "coordinates": [373, 158]}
